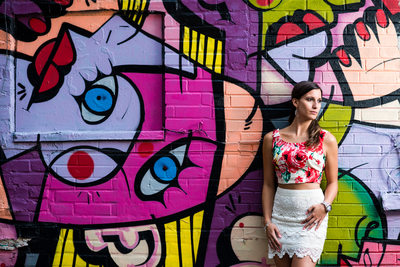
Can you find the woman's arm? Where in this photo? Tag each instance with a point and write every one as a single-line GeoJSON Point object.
{"type": "Point", "coordinates": [331, 168]}
{"type": "Point", "coordinates": [316, 213]}
{"type": "Point", "coordinates": [268, 193]}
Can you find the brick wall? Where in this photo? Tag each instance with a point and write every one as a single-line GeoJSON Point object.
{"type": "Point", "coordinates": [131, 130]}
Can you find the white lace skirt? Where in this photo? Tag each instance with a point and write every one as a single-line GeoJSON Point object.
{"type": "Point", "coordinates": [288, 212]}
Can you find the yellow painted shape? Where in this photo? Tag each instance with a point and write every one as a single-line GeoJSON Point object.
{"type": "Point", "coordinates": [69, 251]}
{"type": "Point", "coordinates": [200, 58]}
{"type": "Point", "coordinates": [125, 4]}
{"type": "Point", "coordinates": [218, 60]}
{"type": "Point", "coordinates": [186, 242]}
{"type": "Point", "coordinates": [57, 255]}
{"type": "Point", "coordinates": [142, 8]}
{"type": "Point", "coordinates": [131, 3]}
{"type": "Point", "coordinates": [341, 115]}
{"type": "Point", "coordinates": [194, 45]}
{"type": "Point", "coordinates": [210, 52]}
{"type": "Point", "coordinates": [342, 2]}
{"type": "Point", "coordinates": [66, 257]}
{"type": "Point", "coordinates": [196, 228]}
{"type": "Point", "coordinates": [171, 243]}
{"type": "Point", "coordinates": [186, 41]}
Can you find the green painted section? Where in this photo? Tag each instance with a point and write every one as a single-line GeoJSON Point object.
{"type": "Point", "coordinates": [351, 205]}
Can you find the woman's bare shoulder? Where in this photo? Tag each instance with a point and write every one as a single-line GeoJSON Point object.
{"type": "Point", "coordinates": [268, 136]}
{"type": "Point", "coordinates": [329, 139]}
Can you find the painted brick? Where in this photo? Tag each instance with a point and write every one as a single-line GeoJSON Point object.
{"type": "Point", "coordinates": [246, 66]}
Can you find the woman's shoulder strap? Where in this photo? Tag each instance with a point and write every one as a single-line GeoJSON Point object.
{"type": "Point", "coordinates": [275, 134]}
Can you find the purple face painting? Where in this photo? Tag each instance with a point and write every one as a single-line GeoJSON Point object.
{"type": "Point", "coordinates": [89, 109]}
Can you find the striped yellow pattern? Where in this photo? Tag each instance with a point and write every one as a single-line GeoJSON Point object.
{"type": "Point", "coordinates": [134, 10]}
{"type": "Point", "coordinates": [203, 49]}
{"type": "Point", "coordinates": [183, 234]}
{"type": "Point", "coordinates": [196, 231]}
{"type": "Point", "coordinates": [65, 251]}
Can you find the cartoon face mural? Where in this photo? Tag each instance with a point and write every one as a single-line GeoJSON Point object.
{"type": "Point", "coordinates": [93, 95]}
{"type": "Point", "coordinates": [132, 138]}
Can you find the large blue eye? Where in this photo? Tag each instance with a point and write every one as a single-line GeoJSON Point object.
{"type": "Point", "coordinates": [99, 100]}
{"type": "Point", "coordinates": [165, 168]}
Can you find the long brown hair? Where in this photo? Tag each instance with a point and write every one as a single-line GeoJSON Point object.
{"type": "Point", "coordinates": [314, 129]}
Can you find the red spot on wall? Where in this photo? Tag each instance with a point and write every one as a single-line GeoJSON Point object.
{"type": "Point", "coordinates": [241, 225]}
{"type": "Point", "coordinates": [362, 30]}
{"type": "Point", "coordinates": [145, 149]}
{"type": "Point", "coordinates": [343, 57]}
{"type": "Point", "coordinates": [65, 52]}
{"type": "Point", "coordinates": [312, 21]}
{"type": "Point", "coordinates": [50, 79]}
{"type": "Point", "coordinates": [264, 2]}
{"type": "Point", "coordinates": [43, 55]}
{"type": "Point", "coordinates": [80, 165]}
{"type": "Point", "coordinates": [37, 25]}
{"type": "Point", "coordinates": [287, 31]}
{"type": "Point", "coordinates": [392, 5]}
{"type": "Point", "coordinates": [63, 2]}
{"type": "Point", "coordinates": [381, 18]}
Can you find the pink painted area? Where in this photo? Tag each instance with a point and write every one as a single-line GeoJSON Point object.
{"type": "Point", "coordinates": [375, 253]}
{"type": "Point", "coordinates": [326, 78]}
{"type": "Point", "coordinates": [157, 5]}
{"type": "Point", "coordinates": [154, 25]}
{"type": "Point", "coordinates": [345, 19]}
{"type": "Point", "coordinates": [116, 200]}
{"type": "Point", "coordinates": [150, 86]}
{"type": "Point", "coordinates": [8, 257]}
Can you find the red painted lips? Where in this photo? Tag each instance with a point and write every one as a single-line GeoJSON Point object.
{"type": "Point", "coordinates": [52, 62]}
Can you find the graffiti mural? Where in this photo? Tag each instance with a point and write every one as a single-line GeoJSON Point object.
{"type": "Point", "coordinates": [131, 131]}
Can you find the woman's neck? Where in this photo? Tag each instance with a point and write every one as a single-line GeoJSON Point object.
{"type": "Point", "coordinates": [299, 127]}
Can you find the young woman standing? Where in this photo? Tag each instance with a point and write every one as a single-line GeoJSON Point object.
{"type": "Point", "coordinates": [294, 158]}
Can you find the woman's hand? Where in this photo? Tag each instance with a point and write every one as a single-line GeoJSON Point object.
{"type": "Point", "coordinates": [316, 213]}
{"type": "Point", "coordinates": [272, 235]}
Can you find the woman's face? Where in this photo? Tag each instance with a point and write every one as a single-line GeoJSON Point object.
{"type": "Point", "coordinates": [309, 104]}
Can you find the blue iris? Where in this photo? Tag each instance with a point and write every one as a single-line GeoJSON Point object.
{"type": "Point", "coordinates": [165, 168]}
{"type": "Point", "coordinates": [99, 99]}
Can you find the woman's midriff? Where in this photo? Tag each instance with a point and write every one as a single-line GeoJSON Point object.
{"type": "Point", "coordinates": [303, 186]}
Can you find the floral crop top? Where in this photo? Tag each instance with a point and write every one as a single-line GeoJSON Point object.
{"type": "Point", "coordinates": [295, 163]}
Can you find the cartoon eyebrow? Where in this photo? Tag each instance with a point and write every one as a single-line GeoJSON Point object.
{"type": "Point", "coordinates": [129, 38]}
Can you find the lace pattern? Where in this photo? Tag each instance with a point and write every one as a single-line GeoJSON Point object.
{"type": "Point", "coordinates": [289, 211]}
{"type": "Point", "coordinates": [314, 254]}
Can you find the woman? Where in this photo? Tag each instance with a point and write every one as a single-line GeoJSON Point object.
{"type": "Point", "coordinates": [295, 211]}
